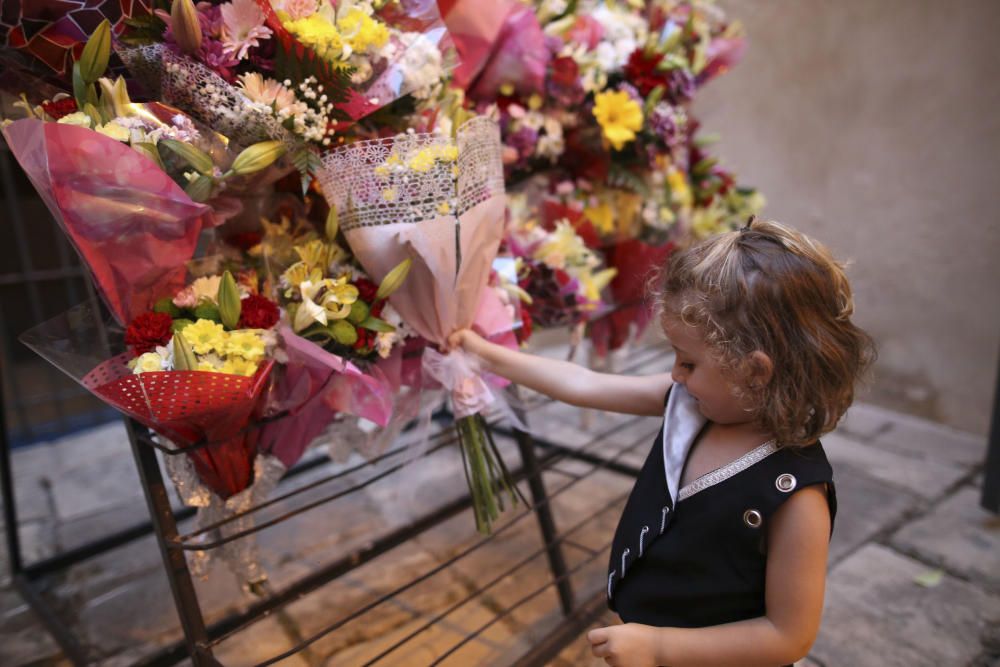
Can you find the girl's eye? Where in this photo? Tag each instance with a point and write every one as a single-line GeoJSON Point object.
{"type": "Point", "coordinates": [687, 366]}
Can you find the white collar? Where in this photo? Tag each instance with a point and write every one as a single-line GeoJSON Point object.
{"type": "Point", "coordinates": [682, 423]}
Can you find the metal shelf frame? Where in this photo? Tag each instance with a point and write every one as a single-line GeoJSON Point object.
{"type": "Point", "coordinates": [200, 639]}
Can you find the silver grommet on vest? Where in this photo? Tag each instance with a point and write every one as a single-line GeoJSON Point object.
{"type": "Point", "coordinates": [786, 482]}
{"type": "Point", "coordinates": [642, 536]}
{"type": "Point", "coordinates": [663, 519]}
{"type": "Point", "coordinates": [611, 581]}
{"type": "Point", "coordinates": [753, 518]}
{"type": "Point", "coordinates": [624, 556]}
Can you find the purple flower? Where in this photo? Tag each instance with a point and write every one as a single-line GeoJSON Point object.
{"type": "Point", "coordinates": [682, 85]}
{"type": "Point", "coordinates": [632, 91]}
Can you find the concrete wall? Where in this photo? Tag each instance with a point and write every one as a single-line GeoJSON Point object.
{"type": "Point", "coordinates": [874, 125]}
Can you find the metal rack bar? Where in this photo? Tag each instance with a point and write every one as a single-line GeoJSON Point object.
{"type": "Point", "coordinates": [455, 558]}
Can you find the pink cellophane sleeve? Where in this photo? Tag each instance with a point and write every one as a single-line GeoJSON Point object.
{"type": "Point", "coordinates": [314, 387]}
{"type": "Point", "coordinates": [132, 225]}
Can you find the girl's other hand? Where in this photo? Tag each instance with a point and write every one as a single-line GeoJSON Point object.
{"type": "Point", "coordinates": [627, 645]}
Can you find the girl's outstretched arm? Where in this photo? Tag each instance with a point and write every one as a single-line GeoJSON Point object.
{"type": "Point", "coordinates": [798, 539]}
{"type": "Point", "coordinates": [569, 382]}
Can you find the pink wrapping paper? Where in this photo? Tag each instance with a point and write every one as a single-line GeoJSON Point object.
{"type": "Point", "coordinates": [132, 225]}
{"type": "Point", "coordinates": [443, 289]}
{"type": "Point", "coordinates": [315, 386]}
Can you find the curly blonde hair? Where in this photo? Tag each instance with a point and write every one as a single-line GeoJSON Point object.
{"type": "Point", "coordinates": [771, 289]}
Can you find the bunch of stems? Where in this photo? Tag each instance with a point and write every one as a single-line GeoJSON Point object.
{"type": "Point", "coordinates": [485, 472]}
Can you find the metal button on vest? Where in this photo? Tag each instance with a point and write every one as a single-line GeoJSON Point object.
{"type": "Point", "coordinates": [786, 482]}
{"type": "Point", "coordinates": [753, 518]}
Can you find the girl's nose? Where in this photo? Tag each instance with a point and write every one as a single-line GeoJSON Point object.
{"type": "Point", "coordinates": [677, 374]}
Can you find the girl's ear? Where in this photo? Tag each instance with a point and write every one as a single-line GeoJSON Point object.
{"type": "Point", "coordinates": [761, 369]}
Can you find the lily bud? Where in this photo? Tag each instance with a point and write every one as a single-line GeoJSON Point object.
{"type": "Point", "coordinates": [94, 59]}
{"type": "Point", "coordinates": [185, 26]}
{"type": "Point", "coordinates": [114, 96]}
{"type": "Point", "coordinates": [257, 157]}
{"type": "Point", "coordinates": [184, 359]}
{"type": "Point", "coordinates": [229, 301]}
{"type": "Point", "coordinates": [195, 157]}
{"type": "Point", "coordinates": [394, 279]}
{"type": "Point", "coordinates": [332, 224]}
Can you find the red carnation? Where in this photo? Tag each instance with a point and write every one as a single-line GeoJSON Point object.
{"type": "Point", "coordinates": [258, 312]}
{"type": "Point", "coordinates": [366, 289]}
{"type": "Point", "coordinates": [63, 107]}
{"type": "Point", "coordinates": [642, 73]}
{"type": "Point", "coordinates": [147, 331]}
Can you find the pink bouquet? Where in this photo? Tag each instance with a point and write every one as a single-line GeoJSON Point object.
{"type": "Point", "coordinates": [438, 203]}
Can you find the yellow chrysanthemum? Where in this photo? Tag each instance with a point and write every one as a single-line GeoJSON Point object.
{"type": "Point", "coordinates": [389, 194]}
{"type": "Point", "coordinates": [236, 365]}
{"type": "Point", "coordinates": [246, 344]}
{"type": "Point", "coordinates": [444, 208]}
{"type": "Point", "coordinates": [206, 366]}
{"type": "Point", "coordinates": [619, 116]}
{"type": "Point", "coordinates": [205, 336]}
{"type": "Point", "coordinates": [423, 161]}
{"type": "Point", "coordinates": [319, 34]}
{"type": "Point", "coordinates": [362, 32]}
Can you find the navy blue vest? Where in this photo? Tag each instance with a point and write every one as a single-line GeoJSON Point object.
{"type": "Point", "coordinates": [696, 556]}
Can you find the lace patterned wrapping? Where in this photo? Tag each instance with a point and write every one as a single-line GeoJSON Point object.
{"type": "Point", "coordinates": [197, 90]}
{"type": "Point", "coordinates": [365, 196]}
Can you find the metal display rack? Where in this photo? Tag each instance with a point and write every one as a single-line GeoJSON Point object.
{"type": "Point", "coordinates": [201, 639]}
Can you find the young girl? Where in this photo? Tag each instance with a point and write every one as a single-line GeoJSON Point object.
{"type": "Point", "coordinates": [720, 555]}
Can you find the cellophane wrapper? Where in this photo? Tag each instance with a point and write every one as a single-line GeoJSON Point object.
{"type": "Point", "coordinates": [132, 225]}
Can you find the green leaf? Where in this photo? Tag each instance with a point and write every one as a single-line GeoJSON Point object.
{"type": "Point", "coordinates": [80, 87]}
{"type": "Point", "coordinates": [94, 59]}
{"type": "Point", "coordinates": [377, 325]}
{"type": "Point", "coordinates": [929, 579]}
{"type": "Point", "coordinates": [200, 189]}
{"type": "Point", "coordinates": [149, 150]}
{"type": "Point", "coordinates": [197, 158]}
{"type": "Point", "coordinates": [620, 177]}
{"type": "Point", "coordinates": [704, 166]}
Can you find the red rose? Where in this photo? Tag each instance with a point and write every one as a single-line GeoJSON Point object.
{"type": "Point", "coordinates": [564, 84]}
{"type": "Point", "coordinates": [147, 331]}
{"type": "Point", "coordinates": [524, 333]}
{"type": "Point", "coordinates": [258, 312]}
{"type": "Point", "coordinates": [642, 73]}
{"type": "Point", "coordinates": [63, 107]}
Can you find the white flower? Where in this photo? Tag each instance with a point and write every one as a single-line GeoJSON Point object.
{"type": "Point", "coordinates": [77, 118]}
{"type": "Point", "coordinates": [115, 131]}
{"type": "Point", "coordinates": [148, 362]}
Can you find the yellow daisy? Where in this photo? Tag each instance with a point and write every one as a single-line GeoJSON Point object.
{"type": "Point", "coordinates": [619, 116]}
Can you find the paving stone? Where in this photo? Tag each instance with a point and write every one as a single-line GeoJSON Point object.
{"type": "Point", "coordinates": [959, 535]}
{"type": "Point", "coordinates": [922, 477]}
{"type": "Point", "coordinates": [865, 508]}
{"type": "Point", "coordinates": [923, 439]}
{"type": "Point", "coordinates": [864, 421]}
{"type": "Point", "coordinates": [875, 614]}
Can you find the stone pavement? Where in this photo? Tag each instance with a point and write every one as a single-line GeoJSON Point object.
{"type": "Point", "coordinates": [914, 568]}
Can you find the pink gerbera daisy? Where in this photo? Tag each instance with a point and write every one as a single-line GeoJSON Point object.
{"type": "Point", "coordinates": [242, 27]}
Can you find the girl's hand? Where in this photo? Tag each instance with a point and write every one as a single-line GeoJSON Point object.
{"type": "Point", "coordinates": [465, 339]}
{"type": "Point", "coordinates": [628, 645]}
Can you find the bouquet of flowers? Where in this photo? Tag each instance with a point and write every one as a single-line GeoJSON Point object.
{"type": "Point", "coordinates": [295, 71]}
{"type": "Point", "coordinates": [560, 275]}
{"type": "Point", "coordinates": [595, 112]}
{"type": "Point", "coordinates": [438, 202]}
